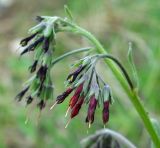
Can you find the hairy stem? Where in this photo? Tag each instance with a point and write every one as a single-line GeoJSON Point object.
{"type": "Point", "coordinates": [132, 94]}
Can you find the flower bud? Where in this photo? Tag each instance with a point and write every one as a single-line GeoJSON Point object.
{"type": "Point", "coordinates": [71, 77]}
{"type": "Point", "coordinates": [76, 95]}
{"type": "Point", "coordinates": [46, 44]}
{"type": "Point", "coordinates": [65, 94]}
{"type": "Point", "coordinates": [29, 100]}
{"type": "Point", "coordinates": [77, 107]}
{"type": "Point", "coordinates": [25, 41]}
{"type": "Point", "coordinates": [33, 66]}
{"type": "Point", "coordinates": [105, 112]}
{"type": "Point", "coordinates": [21, 94]}
{"type": "Point", "coordinates": [91, 109]}
{"type": "Point", "coordinates": [42, 73]}
{"type": "Point", "coordinates": [32, 46]}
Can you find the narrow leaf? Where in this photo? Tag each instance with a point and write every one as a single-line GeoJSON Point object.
{"type": "Point", "coordinates": [68, 12]}
{"type": "Point", "coordinates": [131, 62]}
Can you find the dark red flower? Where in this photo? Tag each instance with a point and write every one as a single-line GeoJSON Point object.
{"type": "Point", "coordinates": [65, 94]}
{"type": "Point", "coordinates": [91, 109]}
{"type": "Point", "coordinates": [105, 114]}
{"type": "Point", "coordinates": [77, 107]}
{"type": "Point", "coordinates": [76, 95]}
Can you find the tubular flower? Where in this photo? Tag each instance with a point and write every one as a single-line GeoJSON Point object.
{"type": "Point", "coordinates": [91, 109]}
{"type": "Point", "coordinates": [41, 42]}
{"type": "Point", "coordinates": [62, 97]}
{"type": "Point", "coordinates": [89, 88]}
{"type": "Point", "coordinates": [105, 112]}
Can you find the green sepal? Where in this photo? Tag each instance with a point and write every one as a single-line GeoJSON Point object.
{"type": "Point", "coordinates": [87, 81]}
{"type": "Point", "coordinates": [77, 63]}
{"type": "Point", "coordinates": [94, 90]}
{"type": "Point", "coordinates": [48, 30]}
{"type": "Point", "coordinates": [30, 80]}
{"type": "Point", "coordinates": [35, 84]}
{"type": "Point", "coordinates": [37, 28]}
{"type": "Point", "coordinates": [100, 98]}
{"type": "Point", "coordinates": [106, 93]}
{"type": "Point", "coordinates": [47, 58]}
{"type": "Point", "coordinates": [48, 88]}
{"type": "Point", "coordinates": [38, 52]}
{"type": "Point", "coordinates": [87, 60]}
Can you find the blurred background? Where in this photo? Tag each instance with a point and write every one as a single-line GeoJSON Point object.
{"type": "Point", "coordinates": [115, 23]}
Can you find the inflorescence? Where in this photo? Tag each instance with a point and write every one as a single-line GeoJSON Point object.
{"type": "Point", "coordinates": [85, 83]}
{"type": "Point", "coordinates": [89, 88]}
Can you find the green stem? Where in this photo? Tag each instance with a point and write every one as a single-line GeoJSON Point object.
{"type": "Point", "coordinates": [70, 53]}
{"type": "Point", "coordinates": [120, 66]}
{"type": "Point", "coordinates": [132, 94]}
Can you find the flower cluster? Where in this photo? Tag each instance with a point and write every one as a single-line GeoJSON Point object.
{"type": "Point", "coordinates": [88, 88]}
{"type": "Point", "coordinates": [42, 43]}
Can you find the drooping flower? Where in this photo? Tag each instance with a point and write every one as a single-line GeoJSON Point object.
{"type": "Point", "coordinates": [77, 107]}
{"type": "Point", "coordinates": [33, 66]}
{"type": "Point", "coordinates": [89, 88]}
{"type": "Point", "coordinates": [62, 97]}
{"type": "Point", "coordinates": [25, 41]}
{"type": "Point", "coordinates": [46, 44]}
{"type": "Point", "coordinates": [91, 110]}
{"type": "Point", "coordinates": [32, 46]}
{"type": "Point", "coordinates": [105, 114]}
{"type": "Point", "coordinates": [21, 94]}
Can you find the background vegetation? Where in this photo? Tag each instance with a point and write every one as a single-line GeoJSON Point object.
{"type": "Point", "coordinates": [115, 23]}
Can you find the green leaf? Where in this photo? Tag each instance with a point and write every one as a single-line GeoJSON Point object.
{"type": "Point", "coordinates": [131, 62]}
{"type": "Point", "coordinates": [68, 12]}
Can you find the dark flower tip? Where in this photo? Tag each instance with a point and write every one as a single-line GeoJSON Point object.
{"type": "Point", "coordinates": [105, 112]}
{"type": "Point", "coordinates": [42, 73]}
{"type": "Point", "coordinates": [71, 77]}
{"type": "Point", "coordinates": [46, 44]}
{"type": "Point", "coordinates": [25, 41]}
{"type": "Point", "coordinates": [32, 46]}
{"type": "Point", "coordinates": [32, 68]}
{"type": "Point", "coordinates": [21, 94]}
{"type": "Point", "coordinates": [65, 94]}
{"type": "Point", "coordinates": [39, 18]}
{"type": "Point", "coordinates": [91, 109]}
{"type": "Point", "coordinates": [41, 104]}
{"type": "Point", "coordinates": [29, 100]}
